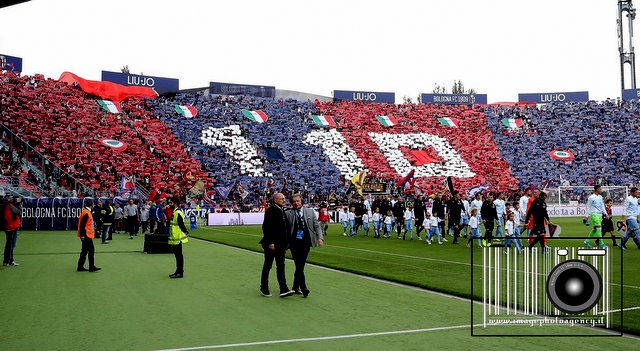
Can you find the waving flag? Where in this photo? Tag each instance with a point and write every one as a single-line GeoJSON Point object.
{"type": "Point", "coordinates": [449, 122]}
{"type": "Point", "coordinates": [256, 116]}
{"type": "Point", "coordinates": [512, 123]}
{"type": "Point", "coordinates": [187, 111]}
{"type": "Point", "coordinates": [358, 180]}
{"type": "Point", "coordinates": [324, 121]}
{"type": "Point", "coordinates": [477, 189]}
{"type": "Point", "coordinates": [386, 121]}
{"type": "Point", "coordinates": [109, 106]}
{"type": "Point", "coordinates": [223, 191]}
{"type": "Point", "coordinates": [242, 190]}
{"type": "Point", "coordinates": [406, 179]}
{"type": "Point", "coordinates": [127, 186]}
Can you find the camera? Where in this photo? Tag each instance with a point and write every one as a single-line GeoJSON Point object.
{"type": "Point", "coordinates": [563, 289]}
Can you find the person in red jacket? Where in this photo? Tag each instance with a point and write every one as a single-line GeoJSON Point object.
{"type": "Point", "coordinates": [11, 219]}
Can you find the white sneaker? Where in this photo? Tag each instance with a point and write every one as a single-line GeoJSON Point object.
{"type": "Point", "coordinates": [429, 242]}
{"type": "Point", "coordinates": [445, 240]}
{"type": "Point", "coordinates": [439, 242]}
{"type": "Point", "coordinates": [14, 264]}
{"type": "Point", "coordinates": [419, 238]}
{"type": "Point", "coordinates": [345, 234]}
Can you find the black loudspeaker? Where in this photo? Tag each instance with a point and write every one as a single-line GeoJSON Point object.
{"type": "Point", "coordinates": [154, 243]}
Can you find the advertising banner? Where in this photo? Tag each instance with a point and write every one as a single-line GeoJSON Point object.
{"type": "Point", "coordinates": [546, 98]}
{"type": "Point", "coordinates": [454, 99]}
{"type": "Point", "coordinates": [366, 96]}
{"type": "Point", "coordinates": [10, 63]}
{"type": "Point", "coordinates": [159, 84]}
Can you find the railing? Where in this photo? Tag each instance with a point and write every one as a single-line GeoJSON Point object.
{"type": "Point", "coordinates": [76, 185]}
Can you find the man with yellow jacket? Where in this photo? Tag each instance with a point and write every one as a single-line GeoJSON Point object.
{"type": "Point", "coordinates": [178, 235]}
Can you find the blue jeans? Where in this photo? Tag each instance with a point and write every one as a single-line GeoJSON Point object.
{"type": "Point", "coordinates": [105, 232]}
{"type": "Point", "coordinates": [10, 245]}
{"type": "Point", "coordinates": [408, 227]}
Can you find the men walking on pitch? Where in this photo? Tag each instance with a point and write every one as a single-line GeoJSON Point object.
{"type": "Point", "coordinates": [305, 233]}
{"type": "Point", "coordinates": [275, 242]}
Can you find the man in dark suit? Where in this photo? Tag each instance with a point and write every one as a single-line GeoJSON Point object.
{"type": "Point", "coordinates": [454, 214]}
{"type": "Point", "coordinates": [489, 216]}
{"type": "Point", "coordinates": [275, 242]}
{"type": "Point", "coordinates": [305, 233]}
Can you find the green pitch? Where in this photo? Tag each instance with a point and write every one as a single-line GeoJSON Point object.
{"type": "Point", "coordinates": [132, 305]}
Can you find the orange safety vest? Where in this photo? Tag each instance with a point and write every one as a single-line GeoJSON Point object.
{"type": "Point", "coordinates": [91, 232]}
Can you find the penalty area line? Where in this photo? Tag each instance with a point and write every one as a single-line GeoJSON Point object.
{"type": "Point", "coordinates": [320, 338]}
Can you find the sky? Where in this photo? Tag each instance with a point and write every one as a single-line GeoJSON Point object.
{"type": "Point", "coordinates": [499, 48]}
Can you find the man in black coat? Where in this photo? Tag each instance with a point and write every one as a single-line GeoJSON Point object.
{"type": "Point", "coordinates": [454, 214]}
{"type": "Point", "coordinates": [419, 210]}
{"type": "Point", "coordinates": [275, 241]}
{"type": "Point", "coordinates": [538, 210]}
{"type": "Point", "coordinates": [489, 216]}
{"type": "Point", "coordinates": [398, 213]}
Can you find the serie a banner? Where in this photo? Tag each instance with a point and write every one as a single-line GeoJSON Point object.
{"type": "Point", "coordinates": [63, 213]}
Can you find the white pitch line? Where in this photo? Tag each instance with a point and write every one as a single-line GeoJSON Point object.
{"type": "Point", "coordinates": [388, 282]}
{"type": "Point", "coordinates": [321, 338]}
{"type": "Point", "coordinates": [406, 256]}
{"type": "Point", "coordinates": [624, 309]}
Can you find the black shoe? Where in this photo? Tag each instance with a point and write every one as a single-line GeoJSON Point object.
{"type": "Point", "coordinates": [287, 293]}
{"type": "Point", "coordinates": [81, 269]}
{"type": "Point", "coordinates": [305, 292]}
{"type": "Point", "coordinates": [298, 291]}
{"type": "Point", "coordinates": [176, 275]}
{"type": "Point", "coordinates": [265, 292]}
{"type": "Point", "coordinates": [94, 269]}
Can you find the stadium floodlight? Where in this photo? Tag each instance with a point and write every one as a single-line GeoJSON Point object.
{"type": "Point", "coordinates": [627, 55]}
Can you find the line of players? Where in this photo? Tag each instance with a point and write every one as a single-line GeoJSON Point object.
{"type": "Point", "coordinates": [464, 218]}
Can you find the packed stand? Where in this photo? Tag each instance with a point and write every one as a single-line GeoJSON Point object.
{"type": "Point", "coordinates": [601, 136]}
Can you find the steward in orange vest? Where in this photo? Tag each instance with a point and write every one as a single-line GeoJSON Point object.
{"type": "Point", "coordinates": [86, 233]}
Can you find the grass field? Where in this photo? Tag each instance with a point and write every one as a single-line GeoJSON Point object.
{"type": "Point", "coordinates": [132, 305]}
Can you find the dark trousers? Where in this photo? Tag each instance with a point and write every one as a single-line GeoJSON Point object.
{"type": "Point", "coordinates": [419, 225]}
{"type": "Point", "coordinates": [488, 231]}
{"type": "Point", "coordinates": [441, 225]}
{"type": "Point", "coordinates": [299, 253]}
{"type": "Point", "coordinates": [454, 224]}
{"type": "Point", "coordinates": [269, 257]}
{"type": "Point", "coordinates": [12, 237]}
{"type": "Point", "coordinates": [87, 249]}
{"type": "Point", "coordinates": [539, 232]}
{"type": "Point", "coordinates": [132, 223]}
{"type": "Point", "coordinates": [145, 225]}
{"type": "Point", "coordinates": [177, 252]}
